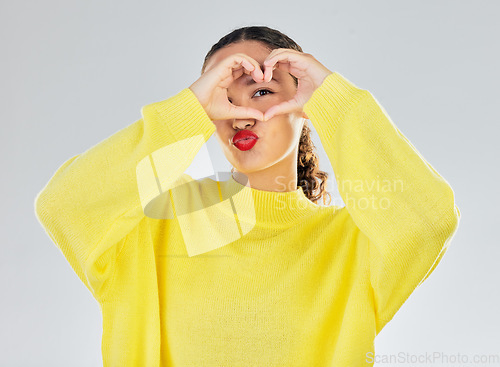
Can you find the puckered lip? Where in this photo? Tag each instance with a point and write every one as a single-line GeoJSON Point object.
{"type": "Point", "coordinates": [244, 134]}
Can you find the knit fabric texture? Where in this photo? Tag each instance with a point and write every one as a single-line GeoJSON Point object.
{"type": "Point", "coordinates": [216, 273]}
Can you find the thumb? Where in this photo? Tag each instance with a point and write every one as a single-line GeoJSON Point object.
{"type": "Point", "coordinates": [247, 112]}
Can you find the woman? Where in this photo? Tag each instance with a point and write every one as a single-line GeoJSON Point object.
{"type": "Point", "coordinates": [251, 271]}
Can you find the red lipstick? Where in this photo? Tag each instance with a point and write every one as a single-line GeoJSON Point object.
{"type": "Point", "coordinates": [245, 139]}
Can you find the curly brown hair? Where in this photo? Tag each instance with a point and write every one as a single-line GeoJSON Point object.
{"type": "Point", "coordinates": [309, 176]}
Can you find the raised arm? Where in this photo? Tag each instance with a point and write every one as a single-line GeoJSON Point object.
{"type": "Point", "coordinates": [403, 208]}
{"type": "Point", "coordinates": [98, 197]}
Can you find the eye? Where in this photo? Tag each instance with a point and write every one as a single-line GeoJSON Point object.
{"type": "Point", "coordinates": [260, 90]}
{"type": "Point", "coordinates": [263, 90]}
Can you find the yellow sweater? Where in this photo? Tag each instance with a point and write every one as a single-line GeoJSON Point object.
{"type": "Point", "coordinates": [214, 273]}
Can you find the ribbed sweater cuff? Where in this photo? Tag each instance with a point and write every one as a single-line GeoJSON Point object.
{"type": "Point", "coordinates": [185, 115]}
{"type": "Point", "coordinates": [330, 102]}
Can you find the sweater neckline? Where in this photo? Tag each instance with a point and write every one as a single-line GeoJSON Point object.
{"type": "Point", "coordinates": [261, 207]}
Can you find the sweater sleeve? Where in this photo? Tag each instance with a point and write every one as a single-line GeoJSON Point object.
{"type": "Point", "coordinates": [96, 198]}
{"type": "Point", "coordinates": [402, 207]}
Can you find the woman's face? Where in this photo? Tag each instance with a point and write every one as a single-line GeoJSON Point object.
{"type": "Point", "coordinates": [279, 136]}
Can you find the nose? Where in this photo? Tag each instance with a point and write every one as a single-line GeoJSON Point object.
{"type": "Point", "coordinates": [240, 124]}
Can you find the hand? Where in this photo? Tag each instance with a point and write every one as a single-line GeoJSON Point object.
{"type": "Point", "coordinates": [211, 87]}
{"type": "Point", "coordinates": [309, 72]}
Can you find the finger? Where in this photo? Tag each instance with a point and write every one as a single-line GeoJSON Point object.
{"type": "Point", "coordinates": [245, 66]}
{"type": "Point", "coordinates": [258, 74]}
{"type": "Point", "coordinates": [232, 68]}
{"type": "Point", "coordinates": [237, 65]}
{"type": "Point", "coordinates": [281, 51]}
{"type": "Point", "coordinates": [277, 51]}
{"type": "Point", "coordinates": [256, 71]}
{"type": "Point", "coordinates": [237, 73]}
{"type": "Point", "coordinates": [283, 66]}
{"type": "Point", "coordinates": [268, 69]}
{"type": "Point", "coordinates": [249, 66]}
{"type": "Point", "coordinates": [246, 112]}
{"type": "Point", "coordinates": [293, 59]}
{"type": "Point", "coordinates": [268, 73]}
{"type": "Point", "coordinates": [284, 107]}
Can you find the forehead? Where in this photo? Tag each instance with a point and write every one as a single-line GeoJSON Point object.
{"type": "Point", "coordinates": [254, 49]}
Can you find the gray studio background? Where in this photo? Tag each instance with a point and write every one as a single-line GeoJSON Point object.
{"type": "Point", "coordinates": [76, 72]}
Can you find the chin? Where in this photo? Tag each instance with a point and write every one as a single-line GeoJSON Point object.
{"type": "Point", "coordinates": [252, 166]}
{"type": "Point", "coordinates": [253, 160]}
{"type": "Point", "coordinates": [248, 167]}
